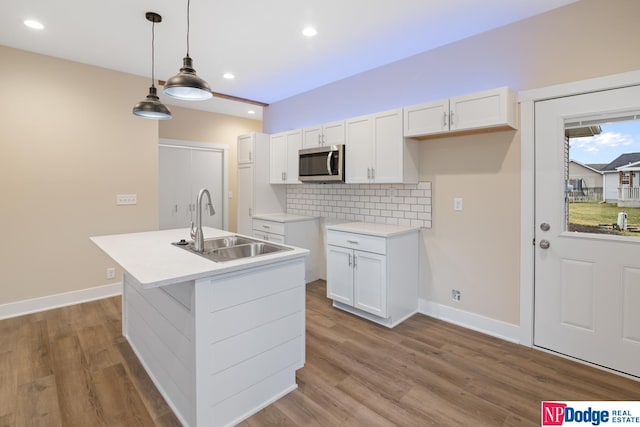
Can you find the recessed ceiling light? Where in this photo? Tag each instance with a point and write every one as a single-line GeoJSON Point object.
{"type": "Point", "coordinates": [229, 76]}
{"type": "Point", "coordinates": [32, 23]}
{"type": "Point", "coordinates": [251, 112]}
{"type": "Point", "coordinates": [309, 32]}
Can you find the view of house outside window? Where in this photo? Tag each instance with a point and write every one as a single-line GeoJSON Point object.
{"type": "Point", "coordinates": [603, 176]}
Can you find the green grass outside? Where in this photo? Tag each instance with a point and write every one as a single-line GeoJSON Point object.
{"type": "Point", "coordinates": [592, 214]}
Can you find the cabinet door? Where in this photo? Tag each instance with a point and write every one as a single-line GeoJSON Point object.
{"type": "Point", "coordinates": [359, 149]}
{"type": "Point", "coordinates": [277, 158]}
{"type": "Point", "coordinates": [333, 133]}
{"type": "Point", "coordinates": [276, 238]}
{"type": "Point", "coordinates": [426, 119]}
{"type": "Point", "coordinates": [245, 149]}
{"type": "Point", "coordinates": [370, 283]}
{"type": "Point", "coordinates": [340, 274]}
{"type": "Point", "coordinates": [480, 110]}
{"type": "Point", "coordinates": [388, 147]}
{"type": "Point", "coordinates": [312, 137]}
{"type": "Point", "coordinates": [294, 143]}
{"type": "Point", "coordinates": [244, 199]}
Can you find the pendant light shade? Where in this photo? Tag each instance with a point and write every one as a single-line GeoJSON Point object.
{"type": "Point", "coordinates": [186, 84]}
{"type": "Point", "coordinates": [151, 107]}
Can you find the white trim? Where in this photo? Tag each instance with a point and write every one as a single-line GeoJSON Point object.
{"type": "Point", "coordinates": [613, 81]}
{"type": "Point", "coordinates": [466, 319]}
{"type": "Point", "coordinates": [527, 179]}
{"type": "Point", "coordinates": [49, 302]}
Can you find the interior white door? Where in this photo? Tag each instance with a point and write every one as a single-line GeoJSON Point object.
{"type": "Point", "coordinates": [174, 202]}
{"type": "Point", "coordinates": [207, 171]}
{"type": "Point", "coordinates": [183, 171]}
{"type": "Point", "coordinates": [587, 286]}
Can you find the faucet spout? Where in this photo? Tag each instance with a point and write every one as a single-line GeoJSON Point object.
{"type": "Point", "coordinates": [196, 233]}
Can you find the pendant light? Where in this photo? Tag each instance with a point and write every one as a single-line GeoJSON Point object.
{"type": "Point", "coordinates": [151, 107]}
{"type": "Point", "coordinates": [186, 84]}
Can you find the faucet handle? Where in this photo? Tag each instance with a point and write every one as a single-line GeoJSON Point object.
{"type": "Point", "coordinates": [193, 231]}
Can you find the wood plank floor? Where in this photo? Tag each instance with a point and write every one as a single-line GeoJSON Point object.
{"type": "Point", "coordinates": [72, 367]}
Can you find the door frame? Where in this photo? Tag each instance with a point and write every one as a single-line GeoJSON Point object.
{"type": "Point", "coordinates": [168, 142]}
{"type": "Point", "coordinates": [527, 101]}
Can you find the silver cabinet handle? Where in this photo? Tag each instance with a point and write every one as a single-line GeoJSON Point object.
{"type": "Point", "coordinates": [544, 244]}
{"type": "Point", "coordinates": [450, 118]}
{"type": "Point", "coordinates": [250, 214]}
{"type": "Point", "coordinates": [250, 155]}
{"type": "Point", "coordinates": [373, 173]}
{"type": "Point", "coordinates": [319, 139]}
{"type": "Point", "coordinates": [349, 260]}
{"type": "Point", "coordinates": [354, 261]}
{"type": "Point", "coordinates": [353, 242]}
{"type": "Point", "coordinates": [444, 119]}
{"type": "Point", "coordinates": [265, 226]}
{"type": "Point", "coordinates": [368, 173]}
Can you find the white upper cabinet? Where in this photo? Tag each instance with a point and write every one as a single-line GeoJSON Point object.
{"type": "Point", "coordinates": [376, 151]}
{"type": "Point", "coordinates": [283, 157]}
{"type": "Point", "coordinates": [481, 110]}
{"type": "Point", "coordinates": [245, 149]}
{"type": "Point", "coordinates": [327, 134]}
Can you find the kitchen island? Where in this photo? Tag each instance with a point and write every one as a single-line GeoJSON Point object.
{"type": "Point", "coordinates": [220, 340]}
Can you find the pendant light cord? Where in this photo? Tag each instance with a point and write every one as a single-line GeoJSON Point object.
{"type": "Point", "coordinates": [188, 25]}
{"type": "Point", "coordinates": [153, 53]}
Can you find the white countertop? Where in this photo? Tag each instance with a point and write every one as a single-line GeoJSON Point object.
{"type": "Point", "coordinates": [381, 230]}
{"type": "Point", "coordinates": [283, 217]}
{"type": "Point", "coordinates": [153, 261]}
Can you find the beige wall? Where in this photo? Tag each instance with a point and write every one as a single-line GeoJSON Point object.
{"type": "Point", "coordinates": [478, 250]}
{"type": "Point", "coordinates": [201, 126]}
{"type": "Point", "coordinates": [68, 145]}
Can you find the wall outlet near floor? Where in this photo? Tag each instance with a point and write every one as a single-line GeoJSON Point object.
{"type": "Point", "coordinates": [457, 204]}
{"type": "Point", "coordinates": [111, 273]}
{"type": "Point", "coordinates": [455, 294]}
{"type": "Point", "coordinates": [126, 199]}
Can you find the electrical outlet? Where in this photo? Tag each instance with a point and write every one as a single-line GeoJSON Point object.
{"type": "Point", "coordinates": [457, 204]}
{"type": "Point", "coordinates": [111, 273]}
{"type": "Point", "coordinates": [126, 199]}
{"type": "Point", "coordinates": [455, 294]}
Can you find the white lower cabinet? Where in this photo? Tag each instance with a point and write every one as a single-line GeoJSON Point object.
{"type": "Point", "coordinates": [294, 230]}
{"type": "Point", "coordinates": [374, 276]}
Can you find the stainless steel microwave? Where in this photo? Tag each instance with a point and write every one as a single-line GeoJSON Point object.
{"type": "Point", "coordinates": [321, 164]}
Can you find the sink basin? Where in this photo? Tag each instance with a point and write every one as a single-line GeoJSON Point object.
{"type": "Point", "coordinates": [232, 247]}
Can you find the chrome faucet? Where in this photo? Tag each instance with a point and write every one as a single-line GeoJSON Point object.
{"type": "Point", "coordinates": [196, 232]}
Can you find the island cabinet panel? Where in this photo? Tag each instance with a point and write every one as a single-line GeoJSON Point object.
{"type": "Point", "coordinates": [161, 330]}
{"type": "Point", "coordinates": [250, 341]}
{"type": "Point", "coordinates": [223, 347]}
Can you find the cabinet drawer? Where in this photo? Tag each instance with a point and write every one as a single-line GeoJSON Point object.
{"type": "Point", "coordinates": [360, 242]}
{"type": "Point", "coordinates": [268, 226]}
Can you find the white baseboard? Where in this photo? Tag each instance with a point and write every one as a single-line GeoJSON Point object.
{"type": "Point", "coordinates": [476, 322]}
{"type": "Point", "coordinates": [49, 302]}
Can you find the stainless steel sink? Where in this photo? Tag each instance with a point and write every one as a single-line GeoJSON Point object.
{"type": "Point", "coordinates": [231, 248]}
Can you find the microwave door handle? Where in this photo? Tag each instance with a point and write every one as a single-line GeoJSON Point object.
{"type": "Point", "coordinates": [329, 157]}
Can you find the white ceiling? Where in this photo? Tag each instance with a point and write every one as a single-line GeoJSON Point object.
{"type": "Point", "coordinates": [260, 41]}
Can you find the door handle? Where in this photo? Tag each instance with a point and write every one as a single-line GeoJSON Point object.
{"type": "Point", "coordinates": [544, 244]}
{"type": "Point", "coordinates": [329, 157]}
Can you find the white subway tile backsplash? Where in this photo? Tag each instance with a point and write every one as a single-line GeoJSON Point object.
{"type": "Point", "coordinates": [404, 204]}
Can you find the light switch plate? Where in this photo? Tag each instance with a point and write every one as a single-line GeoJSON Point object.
{"type": "Point", "coordinates": [126, 199]}
{"type": "Point", "coordinates": [457, 204]}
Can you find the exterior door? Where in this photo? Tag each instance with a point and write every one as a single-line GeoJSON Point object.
{"type": "Point", "coordinates": [587, 286]}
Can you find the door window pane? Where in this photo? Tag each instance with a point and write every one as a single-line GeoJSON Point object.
{"type": "Point", "coordinates": [602, 175]}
